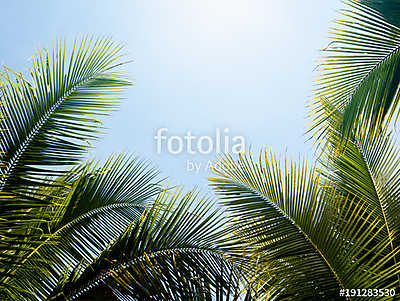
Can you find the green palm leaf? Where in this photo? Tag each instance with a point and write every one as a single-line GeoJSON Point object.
{"type": "Point", "coordinates": [359, 75]}
{"type": "Point", "coordinates": [100, 204]}
{"type": "Point", "coordinates": [49, 120]}
{"type": "Point", "coordinates": [170, 253]}
{"type": "Point", "coordinates": [47, 123]}
{"type": "Point", "coordinates": [390, 9]}
{"type": "Point", "coordinates": [298, 230]}
{"type": "Point", "coordinates": [367, 168]}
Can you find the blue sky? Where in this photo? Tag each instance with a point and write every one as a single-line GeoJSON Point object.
{"type": "Point", "coordinates": [246, 66]}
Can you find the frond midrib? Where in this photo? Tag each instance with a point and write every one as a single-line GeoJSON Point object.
{"type": "Point", "coordinates": [69, 225]}
{"type": "Point", "coordinates": [380, 198]}
{"type": "Point", "coordinates": [348, 96]}
{"type": "Point", "coordinates": [14, 160]}
{"type": "Point", "coordinates": [99, 279]}
{"type": "Point", "coordinates": [394, 51]}
{"type": "Point", "coordinates": [325, 260]}
{"type": "Point", "coordinates": [375, 187]}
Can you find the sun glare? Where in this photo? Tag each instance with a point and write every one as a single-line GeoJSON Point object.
{"type": "Point", "coordinates": [241, 16]}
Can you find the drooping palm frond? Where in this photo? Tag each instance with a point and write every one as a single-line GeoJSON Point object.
{"type": "Point", "coordinates": [300, 230]}
{"type": "Point", "coordinates": [170, 253]}
{"type": "Point", "coordinates": [100, 203]}
{"type": "Point", "coordinates": [359, 72]}
{"type": "Point", "coordinates": [367, 167]}
{"type": "Point", "coordinates": [46, 124]}
{"type": "Point", "coordinates": [49, 120]}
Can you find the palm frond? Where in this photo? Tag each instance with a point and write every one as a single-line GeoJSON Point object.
{"type": "Point", "coordinates": [389, 9]}
{"type": "Point", "coordinates": [359, 73]}
{"type": "Point", "coordinates": [170, 253]}
{"type": "Point", "coordinates": [367, 168]}
{"type": "Point", "coordinates": [46, 124]}
{"type": "Point", "coordinates": [299, 229]}
{"type": "Point", "coordinates": [101, 202]}
{"type": "Point", "coordinates": [48, 121]}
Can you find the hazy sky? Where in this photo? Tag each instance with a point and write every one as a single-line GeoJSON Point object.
{"type": "Point", "coordinates": [246, 66]}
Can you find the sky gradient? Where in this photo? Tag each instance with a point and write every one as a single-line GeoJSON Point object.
{"type": "Point", "coordinates": [199, 66]}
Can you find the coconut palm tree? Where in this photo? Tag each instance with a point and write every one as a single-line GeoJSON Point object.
{"type": "Point", "coordinates": [72, 229]}
{"type": "Point", "coordinates": [309, 231]}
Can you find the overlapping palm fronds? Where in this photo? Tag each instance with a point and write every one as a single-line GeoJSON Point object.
{"type": "Point", "coordinates": [366, 167]}
{"type": "Point", "coordinates": [100, 204]}
{"type": "Point", "coordinates": [63, 222]}
{"type": "Point", "coordinates": [359, 73]}
{"type": "Point", "coordinates": [170, 253]}
{"type": "Point", "coordinates": [356, 108]}
{"type": "Point", "coordinates": [46, 124]}
{"type": "Point", "coordinates": [84, 231]}
{"type": "Point", "coordinates": [306, 239]}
